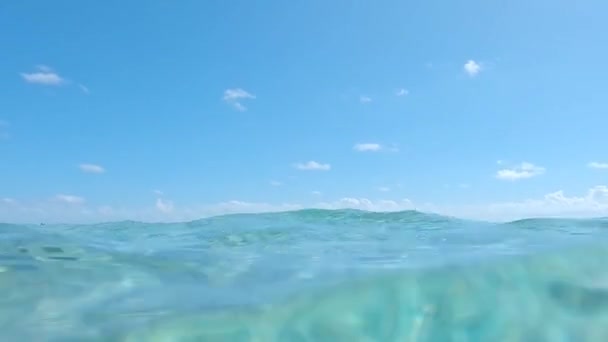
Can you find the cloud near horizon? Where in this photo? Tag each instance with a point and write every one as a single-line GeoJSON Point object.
{"type": "Point", "coordinates": [164, 206]}
{"type": "Point", "coordinates": [593, 203]}
{"type": "Point", "coordinates": [69, 199]}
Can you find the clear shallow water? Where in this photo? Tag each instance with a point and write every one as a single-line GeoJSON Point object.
{"type": "Point", "coordinates": [311, 275]}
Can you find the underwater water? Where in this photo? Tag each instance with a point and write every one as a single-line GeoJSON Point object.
{"type": "Point", "coordinates": [309, 275]}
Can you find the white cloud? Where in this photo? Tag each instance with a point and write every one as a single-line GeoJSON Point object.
{"type": "Point", "coordinates": [164, 206]}
{"type": "Point", "coordinates": [316, 193]}
{"type": "Point", "coordinates": [556, 204]}
{"type": "Point", "coordinates": [598, 165]}
{"type": "Point", "coordinates": [472, 68]}
{"type": "Point", "coordinates": [365, 99]}
{"type": "Point", "coordinates": [367, 204]}
{"type": "Point", "coordinates": [235, 96]}
{"type": "Point", "coordinates": [91, 168]}
{"type": "Point", "coordinates": [312, 166]}
{"type": "Point", "coordinates": [69, 199]}
{"type": "Point", "coordinates": [384, 189]}
{"type": "Point", "coordinates": [402, 92]}
{"type": "Point", "coordinates": [367, 147]}
{"type": "Point", "coordinates": [275, 183]}
{"type": "Point", "coordinates": [246, 207]}
{"type": "Point", "coordinates": [523, 171]}
{"type": "Point", "coordinates": [158, 192]}
{"type": "Point", "coordinates": [44, 76]}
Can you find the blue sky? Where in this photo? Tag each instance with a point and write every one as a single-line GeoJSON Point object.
{"type": "Point", "coordinates": [154, 110]}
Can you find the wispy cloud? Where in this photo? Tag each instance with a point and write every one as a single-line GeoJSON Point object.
{"type": "Point", "coordinates": [522, 171]}
{"type": "Point", "coordinates": [8, 200]}
{"type": "Point", "coordinates": [367, 147]}
{"type": "Point", "coordinates": [312, 166]}
{"type": "Point", "coordinates": [91, 168]}
{"type": "Point", "coordinates": [598, 165]}
{"type": "Point", "coordinates": [43, 76]}
{"type": "Point", "coordinates": [157, 192]}
{"type": "Point", "coordinates": [235, 96]}
{"type": "Point", "coordinates": [105, 210]}
{"type": "Point", "coordinates": [238, 106]}
{"type": "Point", "coordinates": [316, 193]}
{"type": "Point", "coordinates": [365, 99]}
{"type": "Point", "coordinates": [472, 68]}
{"type": "Point", "coordinates": [164, 206]}
{"type": "Point", "coordinates": [44, 68]}
{"type": "Point", "coordinates": [84, 88]}
{"type": "Point", "coordinates": [383, 189]}
{"type": "Point", "coordinates": [275, 183]}
{"type": "Point", "coordinates": [69, 199]}
{"type": "Point", "coordinates": [392, 148]}
{"type": "Point", "coordinates": [402, 92]}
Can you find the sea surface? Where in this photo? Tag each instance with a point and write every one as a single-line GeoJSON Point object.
{"type": "Point", "coordinates": [309, 275]}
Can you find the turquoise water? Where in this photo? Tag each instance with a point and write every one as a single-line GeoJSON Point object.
{"type": "Point", "coordinates": [311, 275]}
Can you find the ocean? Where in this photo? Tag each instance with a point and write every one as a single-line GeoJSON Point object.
{"type": "Point", "coordinates": [308, 275]}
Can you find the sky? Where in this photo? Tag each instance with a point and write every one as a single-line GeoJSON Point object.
{"type": "Point", "coordinates": [168, 111]}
